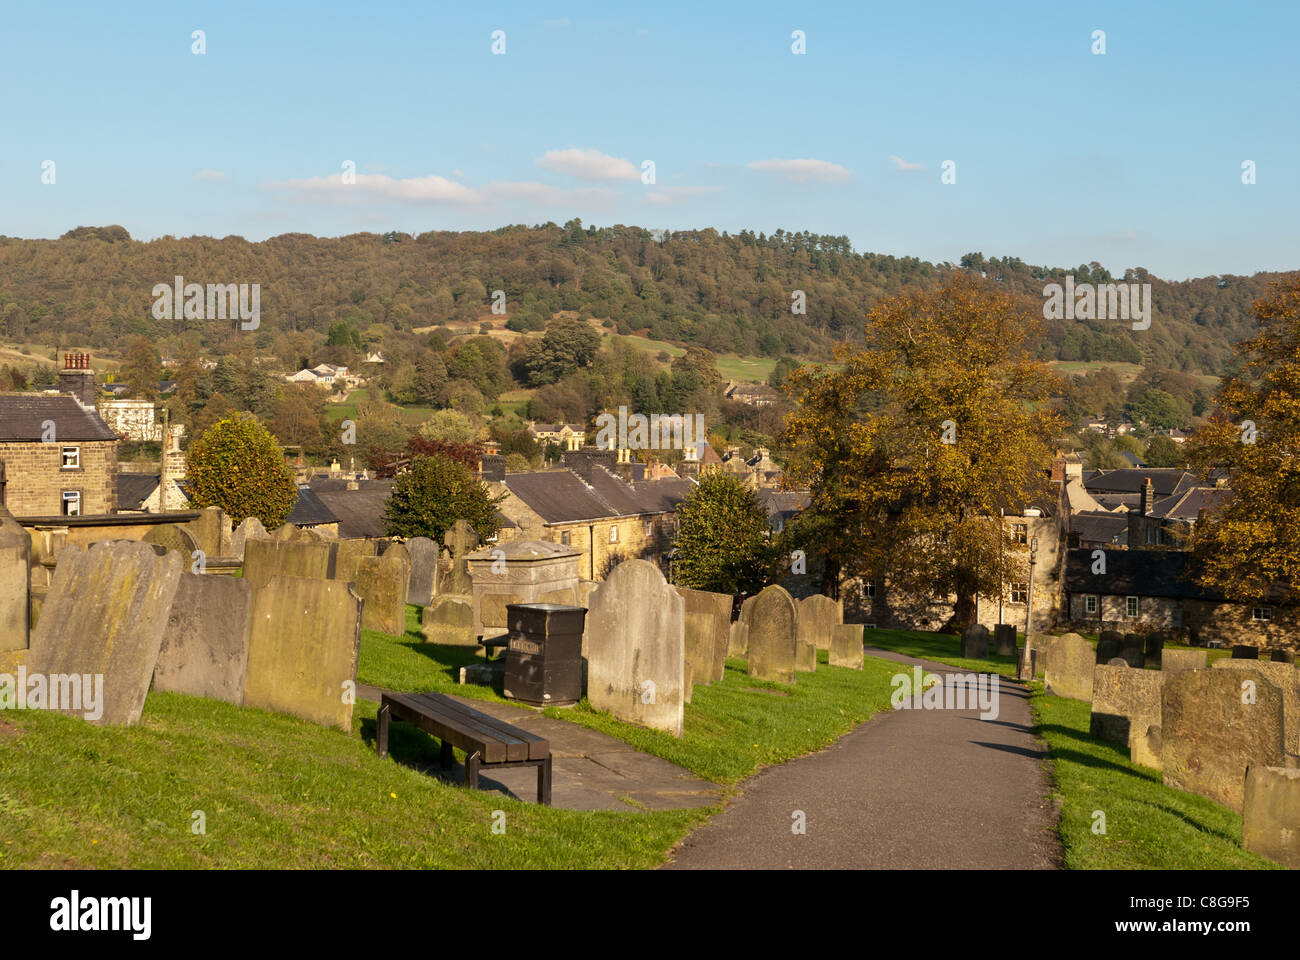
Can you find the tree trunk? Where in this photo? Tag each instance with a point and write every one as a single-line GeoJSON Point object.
{"type": "Point", "coordinates": [831, 578]}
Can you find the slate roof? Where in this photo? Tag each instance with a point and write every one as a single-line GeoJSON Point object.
{"type": "Point", "coordinates": [22, 416]}
{"type": "Point", "coordinates": [359, 511]}
{"type": "Point", "coordinates": [783, 504]}
{"type": "Point", "coordinates": [1190, 504]}
{"type": "Point", "coordinates": [1095, 527]}
{"type": "Point", "coordinates": [560, 496]}
{"type": "Point", "coordinates": [1135, 573]}
{"type": "Point", "coordinates": [310, 510]}
{"type": "Point", "coordinates": [1164, 481]}
{"type": "Point", "coordinates": [133, 489]}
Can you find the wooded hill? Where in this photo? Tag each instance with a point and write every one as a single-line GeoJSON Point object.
{"type": "Point", "coordinates": [730, 293]}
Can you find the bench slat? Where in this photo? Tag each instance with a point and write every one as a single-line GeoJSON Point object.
{"type": "Point", "coordinates": [538, 747]}
{"type": "Point", "coordinates": [469, 729]}
{"type": "Point", "coordinates": [453, 730]}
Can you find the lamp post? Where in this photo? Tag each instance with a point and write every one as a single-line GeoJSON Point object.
{"type": "Point", "coordinates": [1029, 598]}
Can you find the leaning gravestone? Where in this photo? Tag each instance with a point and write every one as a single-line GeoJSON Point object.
{"type": "Point", "coordinates": [738, 639]}
{"type": "Point", "coordinates": [250, 529]}
{"type": "Point", "coordinates": [1004, 640]}
{"type": "Point", "coordinates": [381, 582]}
{"type": "Point", "coordinates": [706, 642]}
{"type": "Point", "coordinates": [1210, 736]}
{"type": "Point", "coordinates": [1287, 679]}
{"type": "Point", "coordinates": [817, 615]}
{"type": "Point", "coordinates": [1176, 661]}
{"type": "Point", "coordinates": [975, 642]}
{"type": "Point", "coordinates": [348, 554]}
{"type": "Point", "coordinates": [204, 650]}
{"type": "Point", "coordinates": [773, 635]}
{"type": "Point", "coordinates": [846, 645]}
{"type": "Point", "coordinates": [15, 566]}
{"type": "Point", "coordinates": [424, 571]}
{"type": "Point", "coordinates": [264, 559]}
{"type": "Point", "coordinates": [1124, 700]}
{"type": "Point", "coordinates": [636, 647]}
{"type": "Point", "coordinates": [104, 617]}
{"type": "Point", "coordinates": [1069, 667]}
{"type": "Point", "coordinates": [1271, 810]}
{"type": "Point", "coordinates": [302, 649]}
{"type": "Point", "coordinates": [449, 621]}
{"type": "Point", "coordinates": [172, 537]}
{"type": "Point", "coordinates": [1108, 644]}
{"type": "Point", "coordinates": [460, 540]}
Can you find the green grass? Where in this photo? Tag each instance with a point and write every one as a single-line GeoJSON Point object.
{"type": "Point", "coordinates": [1148, 825]}
{"type": "Point", "coordinates": [732, 728]}
{"type": "Point", "coordinates": [277, 792]}
{"type": "Point", "coordinates": [941, 648]}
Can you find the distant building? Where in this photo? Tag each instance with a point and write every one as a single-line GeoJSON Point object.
{"type": "Point", "coordinates": [566, 436]}
{"type": "Point", "coordinates": [754, 394]}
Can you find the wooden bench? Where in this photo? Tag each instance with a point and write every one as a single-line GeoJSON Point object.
{"type": "Point", "coordinates": [487, 741]}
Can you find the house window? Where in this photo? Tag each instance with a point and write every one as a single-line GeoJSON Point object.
{"type": "Point", "coordinates": [613, 534]}
{"type": "Point", "coordinates": [649, 528]}
{"type": "Point", "coordinates": [72, 503]}
{"type": "Point", "coordinates": [1019, 593]}
{"type": "Point", "coordinates": [71, 458]}
{"type": "Point", "coordinates": [871, 588]}
{"type": "Point", "coordinates": [1090, 604]}
{"type": "Point", "coordinates": [1261, 613]}
{"type": "Point", "coordinates": [1021, 530]}
{"type": "Point", "coordinates": [1130, 606]}
{"type": "Point", "coordinates": [564, 537]}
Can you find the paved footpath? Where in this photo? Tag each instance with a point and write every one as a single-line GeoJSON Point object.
{"type": "Point", "coordinates": [909, 789]}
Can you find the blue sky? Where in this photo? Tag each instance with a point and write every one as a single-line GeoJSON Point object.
{"type": "Point", "coordinates": [1131, 158]}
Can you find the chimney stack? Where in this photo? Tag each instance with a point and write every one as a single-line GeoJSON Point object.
{"type": "Point", "coordinates": [1148, 498]}
{"type": "Point", "coordinates": [78, 379]}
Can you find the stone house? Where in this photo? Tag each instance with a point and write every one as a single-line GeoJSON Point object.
{"type": "Point", "coordinates": [566, 436]}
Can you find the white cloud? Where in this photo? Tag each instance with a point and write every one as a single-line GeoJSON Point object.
{"type": "Point", "coordinates": [430, 189]}
{"type": "Point", "coordinates": [906, 165]}
{"type": "Point", "coordinates": [800, 171]}
{"type": "Point", "coordinates": [671, 195]}
{"type": "Point", "coordinates": [590, 165]}
{"type": "Point", "coordinates": [211, 176]}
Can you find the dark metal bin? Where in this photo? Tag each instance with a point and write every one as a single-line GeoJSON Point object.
{"type": "Point", "coordinates": [544, 653]}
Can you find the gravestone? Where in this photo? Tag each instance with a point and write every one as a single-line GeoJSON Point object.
{"type": "Point", "coordinates": [1124, 700]}
{"type": "Point", "coordinates": [1155, 647]}
{"type": "Point", "coordinates": [1069, 667]}
{"type": "Point", "coordinates": [424, 571]}
{"type": "Point", "coordinates": [211, 531]}
{"type": "Point", "coordinates": [264, 559]}
{"type": "Point", "coordinates": [1209, 736]}
{"type": "Point", "coordinates": [1244, 651]}
{"type": "Point", "coordinates": [1282, 656]}
{"type": "Point", "coordinates": [846, 645]}
{"type": "Point", "coordinates": [450, 621]}
{"type": "Point", "coordinates": [15, 564]}
{"type": "Point", "coordinates": [738, 639]}
{"type": "Point", "coordinates": [1144, 746]}
{"type": "Point", "coordinates": [105, 616]}
{"type": "Point", "coordinates": [747, 608]}
{"type": "Point", "coordinates": [1271, 813]}
{"type": "Point", "coordinates": [1117, 662]}
{"type": "Point", "coordinates": [348, 553]}
{"type": "Point", "coordinates": [1004, 640]}
{"type": "Point", "coordinates": [1108, 645]}
{"type": "Point", "coordinates": [707, 651]}
{"type": "Point", "coordinates": [391, 548]}
{"type": "Point", "coordinates": [1041, 644]}
{"type": "Point", "coordinates": [817, 615]}
{"type": "Point", "coordinates": [1133, 652]}
{"type": "Point", "coordinates": [636, 657]}
{"type": "Point", "coordinates": [773, 635]}
{"type": "Point", "coordinates": [302, 649]}
{"type": "Point", "coordinates": [204, 650]}
{"type": "Point", "coordinates": [172, 537]}
{"type": "Point", "coordinates": [975, 642]}
{"type": "Point", "coordinates": [460, 540]}
{"type": "Point", "coordinates": [250, 529]}
{"type": "Point", "coordinates": [1176, 661]}
{"type": "Point", "coordinates": [381, 582]}
{"type": "Point", "coordinates": [1287, 679]}
{"type": "Point", "coordinates": [288, 533]}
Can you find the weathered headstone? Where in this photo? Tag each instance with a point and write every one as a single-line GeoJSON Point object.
{"type": "Point", "coordinates": [1108, 644]}
{"type": "Point", "coordinates": [424, 571]}
{"type": "Point", "coordinates": [1210, 736]}
{"type": "Point", "coordinates": [250, 529]}
{"type": "Point", "coordinates": [460, 540]}
{"type": "Point", "coordinates": [1041, 644]}
{"type": "Point", "coordinates": [975, 642]}
{"type": "Point", "coordinates": [1176, 661]}
{"type": "Point", "coordinates": [1004, 640]}
{"type": "Point", "coordinates": [1069, 667]}
{"type": "Point", "coordinates": [348, 554]}
{"type": "Point", "coordinates": [381, 582]}
{"type": "Point", "coordinates": [450, 621]}
{"type": "Point", "coordinates": [1282, 656]}
{"type": "Point", "coordinates": [1144, 746]}
{"type": "Point", "coordinates": [302, 649]}
{"type": "Point", "coordinates": [1271, 814]}
{"type": "Point", "coordinates": [1243, 651]}
{"type": "Point", "coordinates": [1133, 653]}
{"type": "Point", "coordinates": [287, 532]}
{"type": "Point", "coordinates": [846, 645]}
{"type": "Point", "coordinates": [1124, 700]}
{"type": "Point", "coordinates": [738, 639]}
{"type": "Point", "coordinates": [15, 564]}
{"type": "Point", "coordinates": [1155, 647]}
{"type": "Point", "coordinates": [707, 651]}
{"type": "Point", "coordinates": [104, 618]}
{"type": "Point", "coordinates": [636, 656]}
{"type": "Point", "coordinates": [173, 537]}
{"type": "Point", "coordinates": [817, 615]}
{"type": "Point", "coordinates": [264, 559]}
{"type": "Point", "coordinates": [211, 531]}
{"type": "Point", "coordinates": [1117, 662]}
{"type": "Point", "coordinates": [1287, 679]}
{"type": "Point", "coordinates": [773, 635]}
{"type": "Point", "coordinates": [204, 650]}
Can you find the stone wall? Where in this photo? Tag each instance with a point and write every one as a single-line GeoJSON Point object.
{"type": "Point", "coordinates": [36, 478]}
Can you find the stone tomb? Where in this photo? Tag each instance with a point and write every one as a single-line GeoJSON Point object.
{"type": "Point", "coordinates": [302, 649]}
{"type": "Point", "coordinates": [1124, 700]}
{"type": "Point", "coordinates": [204, 649]}
{"type": "Point", "coordinates": [636, 639]}
{"type": "Point", "coordinates": [105, 616]}
{"type": "Point", "coordinates": [519, 571]}
{"type": "Point", "coordinates": [1209, 736]}
{"type": "Point", "coordinates": [707, 635]}
{"type": "Point", "coordinates": [1070, 663]}
{"type": "Point", "coordinates": [846, 646]}
{"type": "Point", "coordinates": [424, 571]}
{"type": "Point", "coordinates": [773, 635]}
{"type": "Point", "coordinates": [264, 559]}
{"type": "Point", "coordinates": [381, 582]}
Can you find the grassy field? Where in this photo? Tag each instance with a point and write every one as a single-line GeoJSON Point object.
{"type": "Point", "coordinates": [941, 648]}
{"type": "Point", "coordinates": [1148, 825]}
{"type": "Point", "coordinates": [732, 728]}
{"type": "Point", "coordinates": [731, 366]}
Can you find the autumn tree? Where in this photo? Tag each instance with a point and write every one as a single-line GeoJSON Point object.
{"type": "Point", "coordinates": [1251, 549]}
{"type": "Point", "coordinates": [721, 542]}
{"type": "Point", "coordinates": [238, 465]}
{"type": "Point", "coordinates": [932, 427]}
{"type": "Point", "coordinates": [142, 369]}
{"type": "Point", "coordinates": [427, 500]}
